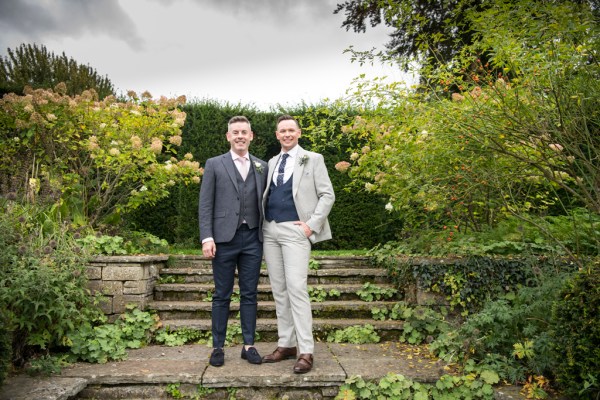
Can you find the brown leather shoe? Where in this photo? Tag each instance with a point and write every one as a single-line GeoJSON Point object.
{"type": "Point", "coordinates": [304, 363]}
{"type": "Point", "coordinates": [280, 353]}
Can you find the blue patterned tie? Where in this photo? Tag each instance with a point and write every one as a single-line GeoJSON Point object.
{"type": "Point", "coordinates": [281, 170]}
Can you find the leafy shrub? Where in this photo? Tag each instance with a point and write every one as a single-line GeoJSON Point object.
{"type": "Point", "coordinates": [181, 336]}
{"type": "Point", "coordinates": [466, 282]}
{"type": "Point", "coordinates": [106, 342]}
{"type": "Point", "coordinates": [5, 347]}
{"type": "Point", "coordinates": [421, 323]}
{"type": "Point", "coordinates": [576, 232]}
{"type": "Point", "coordinates": [371, 292]}
{"type": "Point", "coordinates": [114, 155]}
{"type": "Point", "coordinates": [130, 243]}
{"type": "Point", "coordinates": [47, 364]}
{"type": "Point", "coordinates": [318, 294]}
{"type": "Point", "coordinates": [357, 334]}
{"type": "Point", "coordinates": [476, 386]}
{"type": "Point", "coordinates": [509, 335]}
{"type": "Point", "coordinates": [98, 344]}
{"type": "Point", "coordinates": [43, 286]}
{"type": "Point", "coordinates": [576, 334]}
{"type": "Point", "coordinates": [103, 244]}
{"type": "Point", "coordinates": [137, 327]}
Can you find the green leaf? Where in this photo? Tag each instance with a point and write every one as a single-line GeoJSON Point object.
{"type": "Point", "coordinates": [489, 376]}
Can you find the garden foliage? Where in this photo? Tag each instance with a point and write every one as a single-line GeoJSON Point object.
{"type": "Point", "coordinates": [5, 347]}
{"type": "Point", "coordinates": [576, 334]}
{"type": "Point", "coordinates": [43, 291]}
{"type": "Point", "coordinates": [95, 160]}
{"type": "Point", "coordinates": [477, 142]}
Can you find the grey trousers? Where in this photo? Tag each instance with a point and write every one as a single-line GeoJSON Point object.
{"type": "Point", "coordinates": [287, 252]}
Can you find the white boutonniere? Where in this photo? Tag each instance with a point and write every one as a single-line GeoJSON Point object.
{"type": "Point", "coordinates": [303, 159]}
{"type": "Point", "coordinates": [258, 166]}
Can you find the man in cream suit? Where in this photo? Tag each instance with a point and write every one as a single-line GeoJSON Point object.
{"type": "Point", "coordinates": [297, 201]}
{"type": "Point", "coordinates": [231, 218]}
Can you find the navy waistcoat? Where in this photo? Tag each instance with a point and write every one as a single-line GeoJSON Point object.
{"type": "Point", "coordinates": [280, 204]}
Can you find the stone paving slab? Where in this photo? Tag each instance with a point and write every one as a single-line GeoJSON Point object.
{"type": "Point", "coordinates": [373, 361]}
{"type": "Point", "coordinates": [239, 373]}
{"type": "Point", "coordinates": [24, 387]}
{"type": "Point", "coordinates": [152, 364]}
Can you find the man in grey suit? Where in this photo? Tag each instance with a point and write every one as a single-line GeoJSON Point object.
{"type": "Point", "coordinates": [231, 219]}
{"type": "Point", "coordinates": [297, 201]}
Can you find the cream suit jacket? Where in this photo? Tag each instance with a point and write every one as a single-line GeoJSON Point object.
{"type": "Point", "coordinates": [312, 191]}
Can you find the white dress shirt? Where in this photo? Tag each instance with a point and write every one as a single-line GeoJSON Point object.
{"type": "Point", "coordinates": [289, 165]}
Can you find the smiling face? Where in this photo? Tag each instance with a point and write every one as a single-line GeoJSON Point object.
{"type": "Point", "coordinates": [288, 134]}
{"type": "Point", "coordinates": [239, 137]}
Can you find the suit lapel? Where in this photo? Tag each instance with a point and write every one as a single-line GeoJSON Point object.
{"type": "Point", "coordinates": [230, 169]}
{"type": "Point", "coordinates": [272, 163]}
{"type": "Point", "coordinates": [257, 180]}
{"type": "Point", "coordinates": [298, 170]}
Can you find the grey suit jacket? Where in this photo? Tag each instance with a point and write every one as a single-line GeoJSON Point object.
{"type": "Point", "coordinates": [219, 204]}
{"type": "Point", "coordinates": [312, 191]}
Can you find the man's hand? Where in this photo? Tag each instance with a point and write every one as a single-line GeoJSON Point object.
{"type": "Point", "coordinates": [209, 249]}
{"type": "Point", "coordinates": [307, 230]}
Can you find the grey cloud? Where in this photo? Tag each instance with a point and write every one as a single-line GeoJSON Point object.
{"type": "Point", "coordinates": [315, 9]}
{"type": "Point", "coordinates": [35, 21]}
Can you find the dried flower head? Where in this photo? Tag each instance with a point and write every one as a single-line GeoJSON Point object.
{"type": "Point", "coordinates": [556, 147]}
{"type": "Point", "coordinates": [61, 88]}
{"type": "Point", "coordinates": [136, 142]}
{"type": "Point", "coordinates": [176, 140]}
{"type": "Point", "coordinates": [457, 97]}
{"type": "Point", "coordinates": [156, 145]}
{"type": "Point", "coordinates": [342, 166]}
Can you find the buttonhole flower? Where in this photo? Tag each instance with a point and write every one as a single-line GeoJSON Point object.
{"type": "Point", "coordinates": [303, 159]}
{"type": "Point", "coordinates": [258, 166]}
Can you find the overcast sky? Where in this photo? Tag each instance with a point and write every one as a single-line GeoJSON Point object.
{"type": "Point", "coordinates": [255, 52]}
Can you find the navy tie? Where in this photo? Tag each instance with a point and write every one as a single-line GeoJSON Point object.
{"type": "Point", "coordinates": [281, 170]}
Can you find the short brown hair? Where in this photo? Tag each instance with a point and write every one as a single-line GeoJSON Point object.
{"type": "Point", "coordinates": [238, 118]}
{"type": "Point", "coordinates": [287, 117]}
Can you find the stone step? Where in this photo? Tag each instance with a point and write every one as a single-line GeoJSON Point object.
{"type": "Point", "coordinates": [200, 291]}
{"type": "Point", "coordinates": [148, 371]}
{"type": "Point", "coordinates": [322, 276]}
{"type": "Point", "coordinates": [324, 262]}
{"type": "Point", "coordinates": [266, 328]}
{"type": "Point", "coordinates": [153, 371]}
{"type": "Point", "coordinates": [168, 310]}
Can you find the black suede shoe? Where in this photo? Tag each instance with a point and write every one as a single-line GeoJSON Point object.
{"type": "Point", "coordinates": [251, 355]}
{"type": "Point", "coordinates": [217, 358]}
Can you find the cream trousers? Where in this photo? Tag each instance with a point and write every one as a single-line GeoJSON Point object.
{"type": "Point", "coordinates": [287, 252]}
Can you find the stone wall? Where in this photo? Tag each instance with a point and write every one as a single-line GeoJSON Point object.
{"type": "Point", "coordinates": [124, 280]}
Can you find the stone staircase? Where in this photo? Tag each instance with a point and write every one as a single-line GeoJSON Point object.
{"type": "Point", "coordinates": [187, 304]}
{"type": "Point", "coordinates": [161, 372]}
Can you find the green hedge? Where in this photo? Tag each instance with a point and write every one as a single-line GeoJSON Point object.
{"type": "Point", "coordinates": [577, 334]}
{"type": "Point", "coordinates": [358, 219]}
